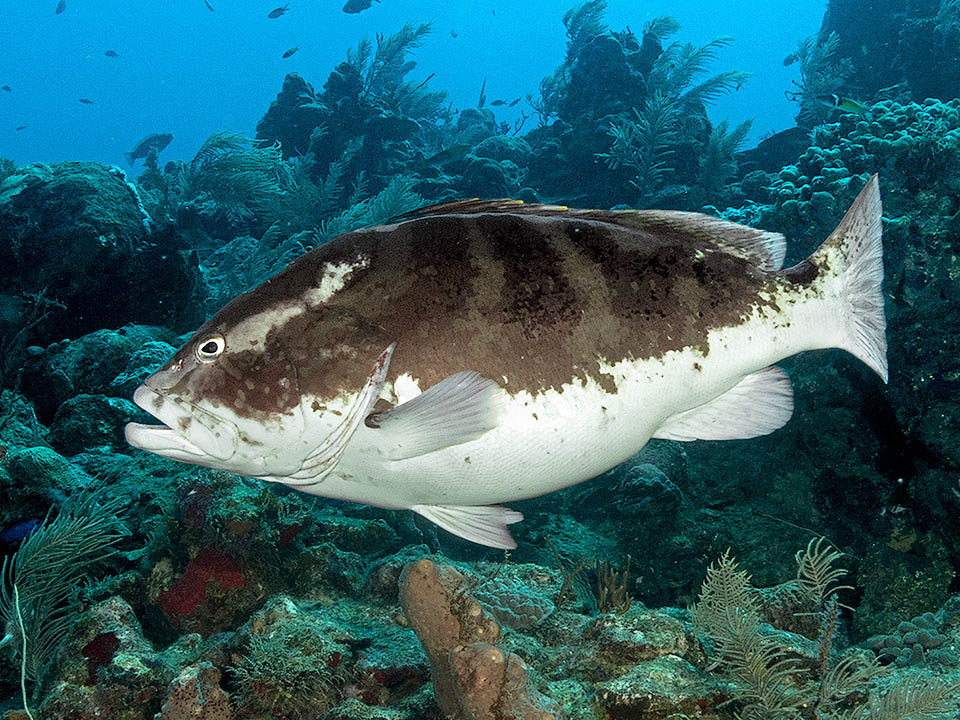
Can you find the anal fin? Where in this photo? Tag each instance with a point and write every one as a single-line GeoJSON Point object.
{"type": "Point", "coordinates": [757, 405]}
{"type": "Point", "coordinates": [482, 524]}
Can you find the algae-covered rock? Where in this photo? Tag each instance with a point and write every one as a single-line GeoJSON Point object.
{"type": "Point", "coordinates": [77, 245]}
{"type": "Point", "coordinates": [19, 426]}
{"type": "Point", "coordinates": [89, 421]}
{"type": "Point", "coordinates": [92, 364]}
{"type": "Point", "coordinates": [106, 668]}
{"type": "Point", "coordinates": [667, 686]}
{"type": "Point", "coordinates": [195, 694]}
{"type": "Point", "coordinates": [639, 635]}
{"type": "Point", "coordinates": [504, 147]}
{"type": "Point", "coordinates": [43, 472]}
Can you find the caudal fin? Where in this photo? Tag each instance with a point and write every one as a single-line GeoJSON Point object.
{"type": "Point", "coordinates": [854, 253]}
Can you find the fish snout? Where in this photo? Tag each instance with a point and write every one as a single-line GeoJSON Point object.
{"type": "Point", "coordinates": [189, 432]}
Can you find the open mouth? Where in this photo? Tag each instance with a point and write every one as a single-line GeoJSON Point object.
{"type": "Point", "coordinates": [189, 420]}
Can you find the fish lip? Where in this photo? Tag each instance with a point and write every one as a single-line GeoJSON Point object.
{"type": "Point", "coordinates": [168, 442]}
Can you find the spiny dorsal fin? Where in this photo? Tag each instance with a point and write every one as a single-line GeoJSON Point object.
{"type": "Point", "coordinates": [764, 249]}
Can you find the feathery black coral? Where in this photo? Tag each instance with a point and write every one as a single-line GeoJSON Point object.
{"type": "Point", "coordinates": [772, 681]}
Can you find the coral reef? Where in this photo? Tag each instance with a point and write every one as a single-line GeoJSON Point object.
{"type": "Point", "coordinates": [237, 599]}
{"type": "Point", "coordinates": [108, 269]}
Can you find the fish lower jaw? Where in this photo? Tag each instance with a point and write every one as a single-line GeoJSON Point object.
{"type": "Point", "coordinates": [162, 440]}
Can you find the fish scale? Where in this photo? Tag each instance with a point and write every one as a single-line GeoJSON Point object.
{"type": "Point", "coordinates": [477, 353]}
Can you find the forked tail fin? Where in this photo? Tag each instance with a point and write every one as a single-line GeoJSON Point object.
{"type": "Point", "coordinates": [854, 255]}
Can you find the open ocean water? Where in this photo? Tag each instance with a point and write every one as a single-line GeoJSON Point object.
{"type": "Point", "coordinates": [481, 361]}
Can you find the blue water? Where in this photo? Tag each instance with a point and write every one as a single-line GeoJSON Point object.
{"type": "Point", "coordinates": [186, 70]}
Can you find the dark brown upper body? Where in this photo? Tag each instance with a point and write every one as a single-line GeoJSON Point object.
{"type": "Point", "coordinates": [531, 301]}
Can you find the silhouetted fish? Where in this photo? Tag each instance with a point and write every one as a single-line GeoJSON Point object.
{"type": "Point", "coordinates": [498, 103]}
{"type": "Point", "coordinates": [21, 127]}
{"type": "Point", "coordinates": [111, 54]}
{"type": "Point", "coordinates": [157, 141]}
{"type": "Point", "coordinates": [6, 88]}
{"type": "Point", "coordinates": [277, 12]}
{"type": "Point", "coordinates": [514, 102]}
{"type": "Point", "coordinates": [85, 101]}
{"type": "Point", "coordinates": [291, 51]}
{"type": "Point", "coordinates": [209, 6]}
{"type": "Point", "coordinates": [454, 152]}
{"type": "Point", "coordinates": [354, 6]}
{"type": "Point", "coordinates": [61, 6]}
{"type": "Point", "coordinates": [482, 352]}
{"type": "Point", "coordinates": [790, 59]}
{"type": "Point", "coordinates": [18, 531]}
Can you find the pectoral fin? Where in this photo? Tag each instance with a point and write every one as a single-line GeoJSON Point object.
{"type": "Point", "coordinates": [459, 408]}
{"type": "Point", "coordinates": [757, 405]}
{"type": "Point", "coordinates": [482, 524]}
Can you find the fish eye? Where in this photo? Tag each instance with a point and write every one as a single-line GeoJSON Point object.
{"type": "Point", "coordinates": [210, 348]}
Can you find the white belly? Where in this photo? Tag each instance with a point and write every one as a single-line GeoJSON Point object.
{"type": "Point", "coordinates": [558, 439]}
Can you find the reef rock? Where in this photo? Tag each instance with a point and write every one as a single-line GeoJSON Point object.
{"type": "Point", "coordinates": [78, 251]}
{"type": "Point", "coordinates": [292, 117]}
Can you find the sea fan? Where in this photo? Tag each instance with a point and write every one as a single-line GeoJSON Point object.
{"type": "Point", "coordinates": [644, 144]}
{"type": "Point", "coordinates": [583, 23]}
{"type": "Point", "coordinates": [821, 73]}
{"type": "Point", "coordinates": [815, 572]}
{"type": "Point", "coordinates": [717, 163]}
{"type": "Point", "coordinates": [680, 63]}
{"type": "Point", "coordinates": [238, 177]}
{"type": "Point", "coordinates": [40, 581]}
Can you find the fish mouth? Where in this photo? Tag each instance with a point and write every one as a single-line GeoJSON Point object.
{"type": "Point", "coordinates": [188, 433]}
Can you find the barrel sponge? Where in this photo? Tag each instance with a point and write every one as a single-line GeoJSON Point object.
{"type": "Point", "coordinates": [443, 617]}
{"type": "Point", "coordinates": [473, 679]}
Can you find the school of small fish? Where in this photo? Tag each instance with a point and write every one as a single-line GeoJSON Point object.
{"type": "Point", "coordinates": [351, 7]}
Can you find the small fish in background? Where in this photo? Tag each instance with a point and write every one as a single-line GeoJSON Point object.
{"type": "Point", "coordinates": [277, 12]}
{"type": "Point", "coordinates": [15, 533]}
{"type": "Point", "coordinates": [483, 94]}
{"type": "Point", "coordinates": [7, 88]}
{"type": "Point", "coordinates": [85, 101]}
{"type": "Point", "coordinates": [514, 102]}
{"type": "Point", "coordinates": [61, 6]}
{"type": "Point", "coordinates": [454, 152]}
{"type": "Point", "coordinates": [790, 59]}
{"type": "Point", "coordinates": [21, 127]}
{"type": "Point", "coordinates": [354, 6]}
{"type": "Point", "coordinates": [111, 54]}
{"type": "Point", "coordinates": [498, 103]}
{"type": "Point", "coordinates": [453, 33]}
{"type": "Point", "coordinates": [209, 6]}
{"type": "Point", "coordinates": [429, 78]}
{"type": "Point", "coordinates": [156, 141]}
{"type": "Point", "coordinates": [843, 104]}
{"type": "Point", "coordinates": [290, 52]}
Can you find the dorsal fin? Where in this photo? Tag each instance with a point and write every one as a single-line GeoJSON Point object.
{"type": "Point", "coordinates": [764, 249]}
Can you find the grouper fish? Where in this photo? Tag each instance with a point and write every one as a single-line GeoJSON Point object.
{"type": "Point", "coordinates": [480, 352]}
